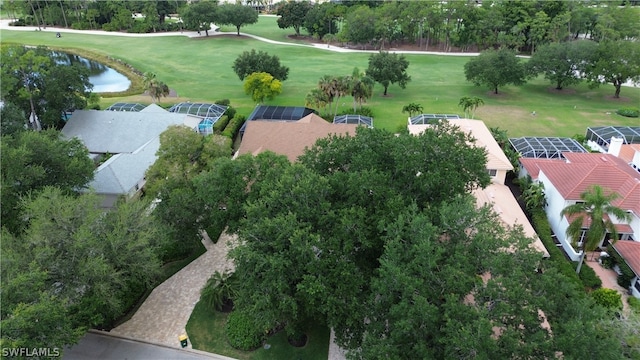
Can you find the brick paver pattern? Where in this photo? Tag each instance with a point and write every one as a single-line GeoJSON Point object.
{"type": "Point", "coordinates": [163, 316]}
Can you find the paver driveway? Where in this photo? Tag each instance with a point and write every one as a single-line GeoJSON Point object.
{"type": "Point", "coordinates": [162, 318]}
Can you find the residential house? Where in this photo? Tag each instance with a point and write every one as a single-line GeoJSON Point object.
{"type": "Point", "coordinates": [630, 252]}
{"type": "Point", "coordinates": [124, 143]}
{"type": "Point", "coordinates": [497, 195]}
{"type": "Point", "coordinates": [289, 138]}
{"type": "Point", "coordinates": [565, 179]}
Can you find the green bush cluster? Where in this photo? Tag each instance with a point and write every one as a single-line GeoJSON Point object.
{"type": "Point", "coordinates": [556, 258]}
{"type": "Point", "coordinates": [242, 331]}
{"type": "Point", "coordinates": [364, 111]}
{"type": "Point", "coordinates": [608, 298]}
{"type": "Point", "coordinates": [634, 303]}
{"type": "Point", "coordinates": [234, 126]}
{"type": "Point", "coordinates": [628, 112]}
{"type": "Point", "coordinates": [624, 280]}
{"type": "Point", "coordinates": [589, 277]}
{"type": "Point", "coordinates": [221, 124]}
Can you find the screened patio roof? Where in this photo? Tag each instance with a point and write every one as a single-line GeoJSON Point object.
{"type": "Point", "coordinates": [425, 119]}
{"type": "Point", "coordinates": [121, 106]}
{"type": "Point", "coordinates": [204, 110]}
{"type": "Point", "coordinates": [603, 134]}
{"type": "Point", "coordinates": [353, 119]}
{"type": "Point", "coordinates": [545, 147]}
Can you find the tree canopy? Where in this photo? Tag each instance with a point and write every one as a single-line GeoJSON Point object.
{"type": "Point", "coordinates": [616, 62]}
{"type": "Point", "coordinates": [261, 86]}
{"type": "Point", "coordinates": [377, 236]}
{"type": "Point", "coordinates": [31, 161]}
{"type": "Point", "coordinates": [495, 68]}
{"type": "Point", "coordinates": [387, 68]}
{"type": "Point", "coordinates": [32, 80]}
{"type": "Point", "coordinates": [75, 267]}
{"type": "Point", "coordinates": [563, 64]}
{"type": "Point", "coordinates": [292, 14]}
{"type": "Point", "coordinates": [237, 15]}
{"type": "Point", "coordinates": [253, 61]}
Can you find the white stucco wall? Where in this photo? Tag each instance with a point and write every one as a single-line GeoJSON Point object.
{"type": "Point", "coordinates": [558, 223]}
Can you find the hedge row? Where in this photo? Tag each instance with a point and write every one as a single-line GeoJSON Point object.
{"type": "Point", "coordinates": [221, 124]}
{"type": "Point", "coordinates": [234, 126]}
{"type": "Point", "coordinates": [556, 257]}
{"type": "Point", "coordinates": [624, 280]}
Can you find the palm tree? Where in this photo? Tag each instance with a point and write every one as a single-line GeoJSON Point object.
{"type": "Point", "coordinates": [534, 196]}
{"type": "Point", "coordinates": [154, 87]}
{"type": "Point", "coordinates": [317, 99]}
{"type": "Point", "coordinates": [470, 104]}
{"type": "Point", "coordinates": [594, 207]}
{"type": "Point", "coordinates": [412, 108]}
{"type": "Point", "coordinates": [327, 85]}
{"type": "Point", "coordinates": [361, 87]}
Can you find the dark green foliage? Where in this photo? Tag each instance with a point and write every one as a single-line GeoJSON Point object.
{"type": "Point", "coordinates": [387, 68]}
{"type": "Point", "coordinates": [250, 62]}
{"type": "Point", "coordinates": [634, 303]}
{"type": "Point", "coordinates": [364, 111]}
{"type": "Point", "coordinates": [243, 331]}
{"type": "Point", "coordinates": [608, 298]}
{"type": "Point", "coordinates": [628, 112]}
{"type": "Point", "coordinates": [220, 288]}
{"type": "Point", "coordinates": [589, 278]}
{"type": "Point", "coordinates": [495, 68]}
{"type": "Point", "coordinates": [223, 102]}
{"type": "Point", "coordinates": [33, 160]}
{"type": "Point", "coordinates": [232, 128]}
{"type": "Point", "coordinates": [13, 119]}
{"type": "Point", "coordinates": [292, 14]}
{"type": "Point", "coordinates": [221, 124]}
{"type": "Point", "coordinates": [562, 63]}
{"type": "Point", "coordinates": [556, 259]}
{"type": "Point", "coordinates": [237, 15]}
{"type": "Point", "coordinates": [624, 280]}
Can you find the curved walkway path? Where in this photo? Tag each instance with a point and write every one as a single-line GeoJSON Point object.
{"type": "Point", "coordinates": [163, 316]}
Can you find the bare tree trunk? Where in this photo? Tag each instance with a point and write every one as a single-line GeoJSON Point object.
{"type": "Point", "coordinates": [584, 253]}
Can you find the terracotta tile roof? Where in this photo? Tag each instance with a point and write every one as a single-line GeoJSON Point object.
{"type": "Point", "coordinates": [627, 152]}
{"type": "Point", "coordinates": [289, 138]}
{"type": "Point", "coordinates": [630, 252]}
{"type": "Point", "coordinates": [500, 198]}
{"type": "Point", "coordinates": [496, 159]}
{"type": "Point", "coordinates": [531, 165]}
{"type": "Point", "coordinates": [586, 222]}
{"type": "Point", "coordinates": [582, 171]}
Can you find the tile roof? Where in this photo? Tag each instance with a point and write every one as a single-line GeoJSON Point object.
{"type": "Point", "coordinates": [627, 152]}
{"type": "Point", "coordinates": [289, 138]}
{"type": "Point", "coordinates": [581, 171]}
{"type": "Point", "coordinates": [500, 198]}
{"type": "Point", "coordinates": [496, 159]}
{"type": "Point", "coordinates": [630, 252]}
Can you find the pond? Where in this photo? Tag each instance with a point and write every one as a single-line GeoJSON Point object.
{"type": "Point", "coordinates": [103, 78]}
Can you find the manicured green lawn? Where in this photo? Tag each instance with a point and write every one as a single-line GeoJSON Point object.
{"type": "Point", "coordinates": [206, 332]}
{"type": "Point", "coordinates": [200, 69]}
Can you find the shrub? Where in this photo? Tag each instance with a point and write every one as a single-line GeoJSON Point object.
{"type": "Point", "coordinates": [219, 126]}
{"type": "Point", "coordinates": [242, 331]}
{"type": "Point", "coordinates": [234, 126]}
{"type": "Point", "coordinates": [589, 278]}
{"type": "Point", "coordinates": [608, 298]}
{"type": "Point", "coordinates": [628, 112]}
{"type": "Point", "coordinates": [223, 102]}
{"type": "Point", "coordinates": [556, 258]}
{"type": "Point", "coordinates": [634, 303]}
{"type": "Point", "coordinates": [624, 280]}
{"type": "Point", "coordinates": [364, 111]}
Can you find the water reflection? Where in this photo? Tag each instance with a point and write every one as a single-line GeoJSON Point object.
{"type": "Point", "coordinates": [103, 78]}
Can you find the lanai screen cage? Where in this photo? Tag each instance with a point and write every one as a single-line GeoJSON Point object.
{"type": "Point", "coordinates": [545, 147]}
{"type": "Point", "coordinates": [353, 119]}
{"type": "Point", "coordinates": [426, 119]}
{"type": "Point", "coordinates": [210, 114]}
{"type": "Point", "coordinates": [602, 135]}
{"type": "Point", "coordinates": [135, 107]}
{"type": "Point", "coordinates": [277, 113]}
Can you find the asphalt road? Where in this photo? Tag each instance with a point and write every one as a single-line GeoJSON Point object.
{"type": "Point", "coordinates": [105, 347]}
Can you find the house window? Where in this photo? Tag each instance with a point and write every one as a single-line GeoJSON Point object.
{"type": "Point", "coordinates": [637, 285]}
{"type": "Point", "coordinates": [492, 172]}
